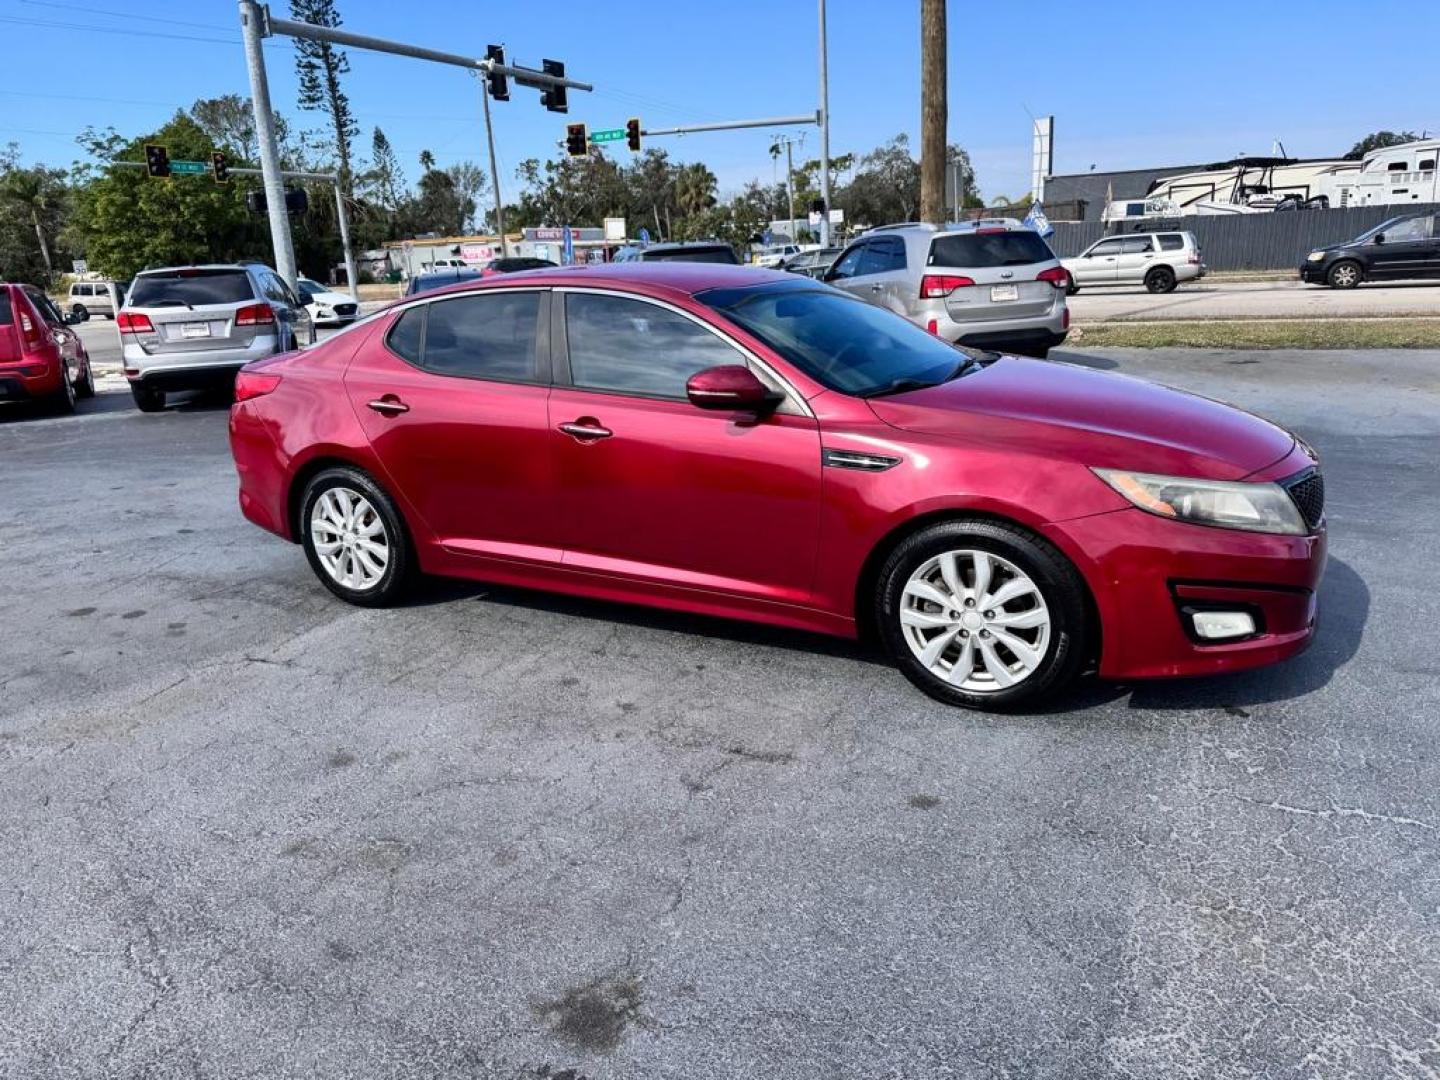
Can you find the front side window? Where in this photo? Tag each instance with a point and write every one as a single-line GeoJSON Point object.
{"type": "Point", "coordinates": [634, 347]}
{"type": "Point", "coordinates": [1107, 247]}
{"type": "Point", "coordinates": [1408, 229]}
{"type": "Point", "coordinates": [486, 336]}
{"type": "Point", "coordinates": [883, 256]}
{"type": "Point", "coordinates": [848, 265]}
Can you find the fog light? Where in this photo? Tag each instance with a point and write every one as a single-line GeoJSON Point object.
{"type": "Point", "coordinates": [1218, 625]}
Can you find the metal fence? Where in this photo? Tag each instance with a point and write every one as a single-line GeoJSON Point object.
{"type": "Point", "coordinates": [1274, 241]}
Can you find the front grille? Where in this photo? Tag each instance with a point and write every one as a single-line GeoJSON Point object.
{"type": "Point", "coordinates": [1307, 491]}
{"type": "Point", "coordinates": [344, 309]}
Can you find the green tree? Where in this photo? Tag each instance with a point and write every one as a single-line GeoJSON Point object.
{"type": "Point", "coordinates": [129, 221]}
{"type": "Point", "coordinates": [471, 184]}
{"type": "Point", "coordinates": [694, 189]}
{"type": "Point", "coordinates": [33, 206]}
{"type": "Point", "coordinates": [229, 122]}
{"type": "Point", "coordinates": [1378, 140]}
{"type": "Point", "coordinates": [385, 181]}
{"type": "Point", "coordinates": [319, 66]}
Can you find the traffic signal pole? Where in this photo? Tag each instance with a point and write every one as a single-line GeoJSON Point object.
{"type": "Point", "coordinates": [494, 172]}
{"type": "Point", "coordinates": [824, 131]}
{"type": "Point", "coordinates": [251, 19]}
{"type": "Point", "coordinates": [257, 23]}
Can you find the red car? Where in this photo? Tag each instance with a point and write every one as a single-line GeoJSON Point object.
{"type": "Point", "coordinates": [41, 358]}
{"type": "Point", "coordinates": [752, 444]}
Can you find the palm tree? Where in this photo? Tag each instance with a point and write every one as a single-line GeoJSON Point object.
{"type": "Point", "coordinates": [28, 189]}
{"type": "Point", "coordinates": [694, 189]}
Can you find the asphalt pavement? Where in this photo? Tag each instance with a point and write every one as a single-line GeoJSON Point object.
{"type": "Point", "coordinates": [249, 831]}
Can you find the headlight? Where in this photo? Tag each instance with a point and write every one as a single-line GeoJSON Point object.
{"type": "Point", "coordinates": [1265, 508]}
{"type": "Point", "coordinates": [1315, 256]}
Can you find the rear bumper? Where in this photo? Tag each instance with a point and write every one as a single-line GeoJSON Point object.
{"type": "Point", "coordinates": [193, 370]}
{"type": "Point", "coordinates": [43, 379]}
{"type": "Point", "coordinates": [1044, 330]}
{"type": "Point", "coordinates": [1149, 575]}
{"type": "Point", "coordinates": [261, 468]}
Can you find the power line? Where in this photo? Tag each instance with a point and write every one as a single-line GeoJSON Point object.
{"type": "Point", "coordinates": [130, 15]}
{"type": "Point", "coordinates": [116, 30]}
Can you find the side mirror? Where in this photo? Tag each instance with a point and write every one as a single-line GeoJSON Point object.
{"type": "Point", "coordinates": [1380, 238]}
{"type": "Point", "coordinates": [733, 388]}
{"type": "Point", "coordinates": [306, 297]}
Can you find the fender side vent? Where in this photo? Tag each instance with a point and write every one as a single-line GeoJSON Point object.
{"type": "Point", "coordinates": [854, 459]}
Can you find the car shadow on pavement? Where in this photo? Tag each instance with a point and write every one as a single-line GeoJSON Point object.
{"type": "Point", "coordinates": [112, 402]}
{"type": "Point", "coordinates": [450, 590]}
{"type": "Point", "coordinates": [1098, 363]}
{"type": "Point", "coordinates": [1344, 611]}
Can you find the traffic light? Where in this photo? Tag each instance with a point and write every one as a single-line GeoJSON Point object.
{"type": "Point", "coordinates": [555, 98]}
{"type": "Point", "coordinates": [577, 140]}
{"type": "Point", "coordinates": [220, 166]}
{"type": "Point", "coordinates": [499, 84]}
{"type": "Point", "coordinates": [632, 133]}
{"type": "Point", "coordinates": [297, 201]}
{"type": "Point", "coordinates": [157, 161]}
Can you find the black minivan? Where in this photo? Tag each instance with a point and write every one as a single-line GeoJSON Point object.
{"type": "Point", "coordinates": [1407, 246]}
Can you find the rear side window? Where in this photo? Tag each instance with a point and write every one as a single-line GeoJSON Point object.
{"type": "Point", "coordinates": [404, 337]}
{"type": "Point", "coordinates": [1017, 248]}
{"type": "Point", "coordinates": [482, 337]}
{"type": "Point", "coordinates": [7, 316]}
{"type": "Point", "coordinates": [1171, 242]}
{"type": "Point", "coordinates": [193, 288]}
{"type": "Point", "coordinates": [634, 347]}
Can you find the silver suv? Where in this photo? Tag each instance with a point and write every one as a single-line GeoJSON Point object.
{"type": "Point", "coordinates": [1158, 260]}
{"type": "Point", "coordinates": [194, 327]}
{"type": "Point", "coordinates": [991, 283]}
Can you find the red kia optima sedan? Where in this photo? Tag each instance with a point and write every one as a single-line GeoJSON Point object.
{"type": "Point", "coordinates": [752, 444]}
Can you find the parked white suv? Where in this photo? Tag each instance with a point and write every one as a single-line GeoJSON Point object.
{"type": "Point", "coordinates": [1158, 260]}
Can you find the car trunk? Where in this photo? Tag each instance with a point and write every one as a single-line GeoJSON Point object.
{"type": "Point", "coordinates": [199, 310]}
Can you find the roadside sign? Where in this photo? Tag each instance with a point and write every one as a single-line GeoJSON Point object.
{"type": "Point", "coordinates": [80, 266]}
{"type": "Point", "coordinates": [476, 253]}
{"type": "Point", "coordinates": [837, 217]}
{"type": "Point", "coordinates": [608, 135]}
{"type": "Point", "coordinates": [815, 217]}
{"type": "Point", "coordinates": [614, 228]}
{"type": "Point", "coordinates": [189, 168]}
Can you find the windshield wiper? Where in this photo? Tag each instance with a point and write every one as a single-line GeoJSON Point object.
{"type": "Point", "coordinates": [909, 382]}
{"type": "Point", "coordinates": [167, 303]}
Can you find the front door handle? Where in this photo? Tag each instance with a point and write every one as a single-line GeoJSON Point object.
{"type": "Point", "coordinates": [586, 429]}
{"type": "Point", "coordinates": [389, 405]}
{"type": "Point", "coordinates": [876, 288]}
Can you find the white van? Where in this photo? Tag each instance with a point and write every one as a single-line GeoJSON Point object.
{"type": "Point", "coordinates": [93, 297]}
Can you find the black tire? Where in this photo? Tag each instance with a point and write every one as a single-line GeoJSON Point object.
{"type": "Point", "coordinates": [147, 398]}
{"type": "Point", "coordinates": [1345, 274]}
{"type": "Point", "coordinates": [1160, 280]}
{"type": "Point", "coordinates": [79, 309]}
{"type": "Point", "coordinates": [62, 401]}
{"type": "Point", "coordinates": [85, 386]}
{"type": "Point", "coordinates": [1059, 585]}
{"type": "Point", "coordinates": [399, 569]}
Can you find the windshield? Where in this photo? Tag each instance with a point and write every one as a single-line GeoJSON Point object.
{"type": "Point", "coordinates": [191, 288]}
{"type": "Point", "coordinates": [983, 250]}
{"type": "Point", "coordinates": [312, 286]}
{"type": "Point", "coordinates": [839, 341]}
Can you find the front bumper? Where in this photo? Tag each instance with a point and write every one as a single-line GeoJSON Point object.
{"type": "Point", "coordinates": [1147, 574]}
{"type": "Point", "coordinates": [1313, 273]}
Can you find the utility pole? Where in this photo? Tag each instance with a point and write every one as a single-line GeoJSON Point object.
{"type": "Point", "coordinates": [824, 132]}
{"type": "Point", "coordinates": [494, 172]}
{"type": "Point", "coordinates": [788, 143]}
{"type": "Point", "coordinates": [933, 111]}
{"type": "Point", "coordinates": [274, 183]}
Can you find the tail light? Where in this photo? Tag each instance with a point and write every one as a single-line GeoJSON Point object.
{"type": "Point", "coordinates": [253, 384]}
{"type": "Point", "coordinates": [131, 322]}
{"type": "Point", "coordinates": [31, 338]}
{"type": "Point", "coordinates": [1194, 260]}
{"type": "Point", "coordinates": [938, 286]}
{"type": "Point", "coordinates": [254, 315]}
{"type": "Point", "coordinates": [1055, 275]}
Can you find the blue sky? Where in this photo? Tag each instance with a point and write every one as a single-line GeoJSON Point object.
{"type": "Point", "coordinates": [1130, 84]}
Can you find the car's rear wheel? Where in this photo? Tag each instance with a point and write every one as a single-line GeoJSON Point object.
{"type": "Point", "coordinates": [147, 398]}
{"type": "Point", "coordinates": [1344, 275]}
{"type": "Point", "coordinates": [85, 386]}
{"type": "Point", "coordinates": [1160, 280]}
{"type": "Point", "coordinates": [982, 614]}
{"type": "Point", "coordinates": [354, 538]}
{"type": "Point", "coordinates": [62, 401]}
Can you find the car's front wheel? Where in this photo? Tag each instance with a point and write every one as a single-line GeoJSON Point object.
{"type": "Point", "coordinates": [354, 538]}
{"type": "Point", "coordinates": [982, 614]}
{"type": "Point", "coordinates": [1344, 275]}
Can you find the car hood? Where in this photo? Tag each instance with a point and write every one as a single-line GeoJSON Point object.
{"type": "Point", "coordinates": [1096, 418]}
{"type": "Point", "coordinates": [330, 298]}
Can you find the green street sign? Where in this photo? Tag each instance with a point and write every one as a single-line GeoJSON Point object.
{"type": "Point", "coordinates": [189, 168]}
{"type": "Point", "coordinates": [612, 135]}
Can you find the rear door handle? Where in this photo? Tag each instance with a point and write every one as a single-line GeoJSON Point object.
{"type": "Point", "coordinates": [389, 405]}
{"type": "Point", "coordinates": [586, 429]}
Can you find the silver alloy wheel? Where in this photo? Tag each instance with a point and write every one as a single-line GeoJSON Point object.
{"type": "Point", "coordinates": [350, 538]}
{"type": "Point", "coordinates": [975, 620]}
